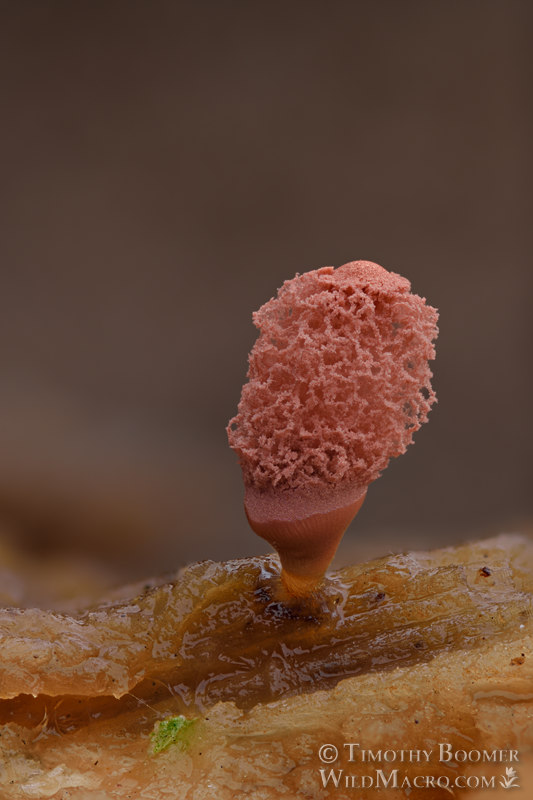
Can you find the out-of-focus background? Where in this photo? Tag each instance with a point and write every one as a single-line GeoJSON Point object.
{"type": "Point", "coordinates": [165, 166]}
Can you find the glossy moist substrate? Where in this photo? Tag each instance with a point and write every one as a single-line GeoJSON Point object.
{"type": "Point", "coordinates": [415, 646]}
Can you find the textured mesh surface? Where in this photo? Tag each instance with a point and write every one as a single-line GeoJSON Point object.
{"type": "Point", "coordinates": [338, 379]}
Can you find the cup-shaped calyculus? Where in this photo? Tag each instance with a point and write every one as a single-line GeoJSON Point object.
{"type": "Point", "coordinates": [338, 382]}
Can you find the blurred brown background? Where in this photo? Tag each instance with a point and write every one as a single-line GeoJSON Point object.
{"type": "Point", "coordinates": [165, 166]}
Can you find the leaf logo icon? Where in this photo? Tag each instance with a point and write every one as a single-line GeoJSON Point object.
{"type": "Point", "coordinates": [510, 779]}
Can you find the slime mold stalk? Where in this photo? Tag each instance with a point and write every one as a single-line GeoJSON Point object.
{"type": "Point", "coordinates": [338, 382]}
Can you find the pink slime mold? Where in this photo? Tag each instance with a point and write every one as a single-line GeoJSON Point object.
{"type": "Point", "coordinates": [339, 381]}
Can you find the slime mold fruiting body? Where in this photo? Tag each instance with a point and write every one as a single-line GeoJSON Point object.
{"type": "Point", "coordinates": [339, 381]}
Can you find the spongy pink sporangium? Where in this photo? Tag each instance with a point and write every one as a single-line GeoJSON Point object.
{"type": "Point", "coordinates": [338, 383]}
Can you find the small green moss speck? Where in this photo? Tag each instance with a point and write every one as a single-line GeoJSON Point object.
{"type": "Point", "coordinates": [174, 730]}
